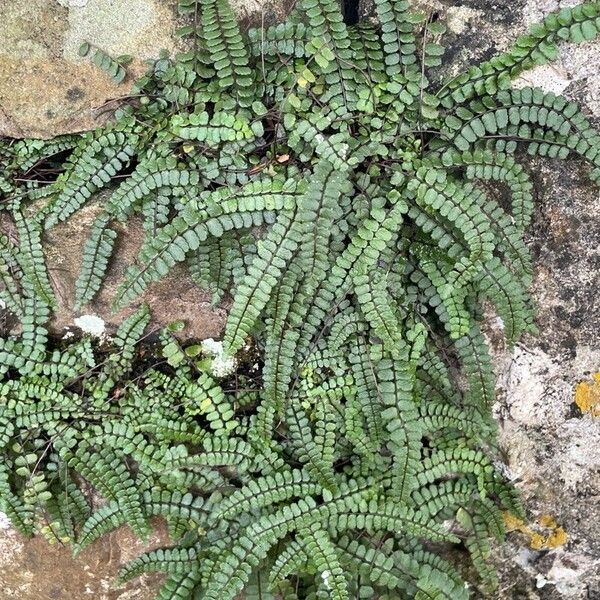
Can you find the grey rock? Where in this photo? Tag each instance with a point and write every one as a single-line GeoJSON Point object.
{"type": "Point", "coordinates": [45, 87]}
{"type": "Point", "coordinates": [550, 447]}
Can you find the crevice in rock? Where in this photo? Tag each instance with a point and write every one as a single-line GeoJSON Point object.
{"type": "Point", "coordinates": [351, 11]}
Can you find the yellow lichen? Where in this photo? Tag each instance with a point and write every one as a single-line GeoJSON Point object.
{"type": "Point", "coordinates": [547, 521]}
{"type": "Point", "coordinates": [538, 539]}
{"type": "Point", "coordinates": [587, 396]}
{"type": "Point", "coordinates": [557, 538]}
{"type": "Point", "coordinates": [513, 523]}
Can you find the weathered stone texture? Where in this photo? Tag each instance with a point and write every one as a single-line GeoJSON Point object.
{"type": "Point", "coordinates": [32, 569]}
{"type": "Point", "coordinates": [45, 87]}
{"type": "Point", "coordinates": [551, 448]}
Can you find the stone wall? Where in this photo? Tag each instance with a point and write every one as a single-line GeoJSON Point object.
{"type": "Point", "coordinates": [551, 448]}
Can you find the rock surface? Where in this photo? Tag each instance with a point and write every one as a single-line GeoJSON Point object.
{"type": "Point", "coordinates": [33, 569]}
{"type": "Point", "coordinates": [174, 297]}
{"type": "Point", "coordinates": [45, 87]}
{"type": "Point", "coordinates": [551, 448]}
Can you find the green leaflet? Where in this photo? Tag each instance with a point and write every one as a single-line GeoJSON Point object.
{"type": "Point", "coordinates": [113, 67]}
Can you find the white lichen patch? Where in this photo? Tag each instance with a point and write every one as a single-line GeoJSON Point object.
{"type": "Point", "coordinates": [4, 521]}
{"type": "Point", "coordinates": [459, 17]}
{"type": "Point", "coordinates": [534, 396]}
{"type": "Point", "coordinates": [10, 544]}
{"type": "Point", "coordinates": [578, 445]}
{"type": "Point", "coordinates": [243, 8]}
{"type": "Point", "coordinates": [568, 574]}
{"type": "Point", "coordinates": [554, 451]}
{"type": "Point", "coordinates": [91, 324]}
{"type": "Point", "coordinates": [535, 10]}
{"type": "Point", "coordinates": [212, 346]}
{"type": "Point", "coordinates": [222, 364]}
{"type": "Point", "coordinates": [551, 78]}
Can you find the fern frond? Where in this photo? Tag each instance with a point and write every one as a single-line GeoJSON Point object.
{"type": "Point", "coordinates": [535, 48]}
{"type": "Point", "coordinates": [30, 257]}
{"type": "Point", "coordinates": [97, 159]}
{"type": "Point", "coordinates": [397, 34]}
{"type": "Point", "coordinates": [226, 48]}
{"type": "Point", "coordinates": [323, 554]}
{"type": "Point", "coordinates": [94, 262]}
{"type": "Point", "coordinates": [168, 560]}
{"type": "Point", "coordinates": [268, 490]}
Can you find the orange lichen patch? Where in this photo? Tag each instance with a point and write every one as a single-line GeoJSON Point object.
{"type": "Point", "coordinates": [544, 534]}
{"type": "Point", "coordinates": [587, 396]}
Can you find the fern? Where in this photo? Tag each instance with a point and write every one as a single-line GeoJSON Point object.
{"type": "Point", "coordinates": [323, 555]}
{"type": "Point", "coordinates": [170, 560]}
{"type": "Point", "coordinates": [96, 255]}
{"type": "Point", "coordinates": [97, 158]}
{"type": "Point", "coordinates": [311, 172]}
{"type": "Point", "coordinates": [228, 53]}
{"type": "Point", "coordinates": [112, 67]}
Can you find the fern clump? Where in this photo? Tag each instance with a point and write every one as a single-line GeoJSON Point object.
{"type": "Point", "coordinates": [312, 171]}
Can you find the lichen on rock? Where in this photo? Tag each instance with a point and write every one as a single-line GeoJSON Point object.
{"type": "Point", "coordinates": [587, 396]}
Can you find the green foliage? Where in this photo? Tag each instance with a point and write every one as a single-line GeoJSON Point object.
{"type": "Point", "coordinates": [314, 173]}
{"type": "Point", "coordinates": [96, 255]}
{"type": "Point", "coordinates": [113, 67]}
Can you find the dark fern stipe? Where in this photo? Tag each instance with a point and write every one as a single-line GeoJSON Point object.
{"type": "Point", "coordinates": [312, 171]}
